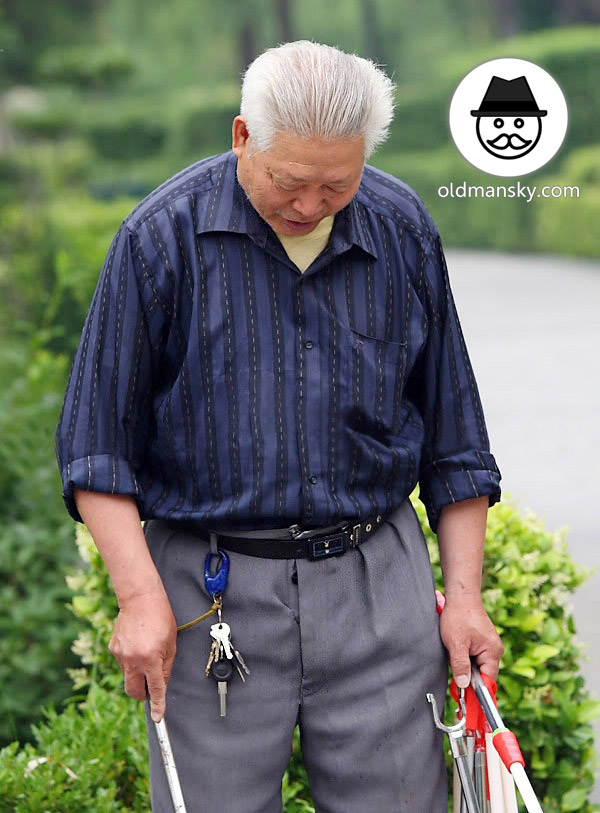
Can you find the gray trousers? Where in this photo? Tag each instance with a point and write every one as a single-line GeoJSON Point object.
{"type": "Point", "coordinates": [349, 652]}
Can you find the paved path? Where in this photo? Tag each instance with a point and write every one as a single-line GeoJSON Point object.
{"type": "Point", "coordinates": [532, 325]}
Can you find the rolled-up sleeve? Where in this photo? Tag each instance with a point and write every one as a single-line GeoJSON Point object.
{"type": "Point", "coordinates": [105, 421]}
{"type": "Point", "coordinates": [456, 461]}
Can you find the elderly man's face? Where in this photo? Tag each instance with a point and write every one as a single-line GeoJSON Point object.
{"type": "Point", "coordinates": [299, 181]}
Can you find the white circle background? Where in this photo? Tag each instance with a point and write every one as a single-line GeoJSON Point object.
{"type": "Point", "coordinates": [469, 95]}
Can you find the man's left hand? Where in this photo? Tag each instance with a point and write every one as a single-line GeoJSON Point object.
{"type": "Point", "coordinates": [467, 630]}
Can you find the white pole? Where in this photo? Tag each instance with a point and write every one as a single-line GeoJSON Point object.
{"type": "Point", "coordinates": [169, 762]}
{"type": "Point", "coordinates": [508, 786]}
{"type": "Point", "coordinates": [525, 789]}
{"type": "Point", "coordinates": [456, 789]}
{"type": "Point", "coordinates": [494, 777]}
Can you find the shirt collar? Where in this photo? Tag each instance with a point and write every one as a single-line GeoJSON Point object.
{"type": "Point", "coordinates": [228, 209]}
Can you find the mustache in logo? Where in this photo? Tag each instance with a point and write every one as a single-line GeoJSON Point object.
{"type": "Point", "coordinates": [503, 141]}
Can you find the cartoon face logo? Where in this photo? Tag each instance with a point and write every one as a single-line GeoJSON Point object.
{"type": "Point", "coordinates": [508, 136]}
{"type": "Point", "coordinates": [509, 122]}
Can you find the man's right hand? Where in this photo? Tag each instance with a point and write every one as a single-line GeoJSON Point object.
{"type": "Point", "coordinates": [144, 643]}
{"type": "Point", "coordinates": [145, 631]}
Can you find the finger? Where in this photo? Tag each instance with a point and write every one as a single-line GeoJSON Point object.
{"type": "Point", "coordinates": [460, 664]}
{"type": "Point", "coordinates": [135, 684]}
{"type": "Point", "coordinates": [157, 692]}
{"type": "Point", "coordinates": [489, 663]}
{"type": "Point", "coordinates": [168, 668]}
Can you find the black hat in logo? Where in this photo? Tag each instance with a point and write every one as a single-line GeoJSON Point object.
{"type": "Point", "coordinates": [508, 97]}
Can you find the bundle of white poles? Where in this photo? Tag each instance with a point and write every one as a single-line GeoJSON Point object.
{"type": "Point", "coordinates": [501, 777]}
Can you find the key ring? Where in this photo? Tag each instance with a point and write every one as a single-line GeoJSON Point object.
{"type": "Point", "coordinates": [216, 584]}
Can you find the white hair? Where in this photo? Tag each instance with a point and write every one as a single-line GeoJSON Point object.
{"type": "Point", "coordinates": [315, 90]}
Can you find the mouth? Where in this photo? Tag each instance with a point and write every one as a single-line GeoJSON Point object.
{"type": "Point", "coordinates": [504, 141]}
{"type": "Point", "coordinates": [300, 226]}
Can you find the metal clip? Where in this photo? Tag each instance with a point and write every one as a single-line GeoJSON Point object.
{"type": "Point", "coordinates": [460, 727]}
{"type": "Point", "coordinates": [459, 751]}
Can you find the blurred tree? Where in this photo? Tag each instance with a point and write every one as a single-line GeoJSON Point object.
{"type": "Point", "coordinates": [513, 16]}
{"type": "Point", "coordinates": [373, 43]}
{"type": "Point", "coordinates": [245, 18]}
{"type": "Point", "coordinates": [577, 11]}
{"type": "Point", "coordinates": [283, 11]}
{"type": "Point", "coordinates": [507, 15]}
{"type": "Point", "coordinates": [28, 27]}
{"type": "Point", "coordinates": [538, 14]}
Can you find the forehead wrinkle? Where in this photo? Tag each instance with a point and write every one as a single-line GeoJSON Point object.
{"type": "Point", "coordinates": [288, 174]}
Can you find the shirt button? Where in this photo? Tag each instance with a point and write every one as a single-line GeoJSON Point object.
{"type": "Point", "coordinates": [308, 345]}
{"type": "Point", "coordinates": [313, 479]}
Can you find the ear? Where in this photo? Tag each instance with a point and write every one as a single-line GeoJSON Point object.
{"type": "Point", "coordinates": [240, 136]}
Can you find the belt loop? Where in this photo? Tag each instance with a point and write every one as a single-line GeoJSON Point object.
{"type": "Point", "coordinates": [213, 543]}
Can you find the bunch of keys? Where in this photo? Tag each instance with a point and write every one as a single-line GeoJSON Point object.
{"type": "Point", "coordinates": [222, 660]}
{"type": "Point", "coordinates": [223, 656]}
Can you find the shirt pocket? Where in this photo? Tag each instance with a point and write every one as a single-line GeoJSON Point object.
{"type": "Point", "coordinates": [374, 372]}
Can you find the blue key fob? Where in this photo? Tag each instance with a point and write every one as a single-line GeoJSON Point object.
{"type": "Point", "coordinates": [217, 583]}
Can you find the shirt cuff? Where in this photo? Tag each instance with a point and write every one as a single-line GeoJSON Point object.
{"type": "Point", "coordinates": [456, 478]}
{"type": "Point", "coordinates": [103, 473]}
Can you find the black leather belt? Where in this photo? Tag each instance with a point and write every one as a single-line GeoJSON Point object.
{"type": "Point", "coordinates": [308, 544]}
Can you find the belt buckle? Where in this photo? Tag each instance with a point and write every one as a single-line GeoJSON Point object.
{"type": "Point", "coordinates": [326, 546]}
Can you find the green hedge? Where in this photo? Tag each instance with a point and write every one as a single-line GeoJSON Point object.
{"type": "Point", "coordinates": [583, 166]}
{"type": "Point", "coordinates": [562, 225]}
{"type": "Point", "coordinates": [35, 631]}
{"type": "Point", "coordinates": [127, 137]}
{"type": "Point", "coordinates": [89, 67]}
{"type": "Point", "coordinates": [52, 123]}
{"type": "Point", "coordinates": [36, 546]}
{"type": "Point", "coordinates": [50, 258]}
{"type": "Point", "coordinates": [528, 580]}
{"type": "Point", "coordinates": [207, 129]}
{"type": "Point", "coordinates": [91, 758]}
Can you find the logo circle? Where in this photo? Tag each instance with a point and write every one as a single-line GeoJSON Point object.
{"type": "Point", "coordinates": [508, 117]}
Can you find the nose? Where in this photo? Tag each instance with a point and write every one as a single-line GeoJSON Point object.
{"type": "Point", "coordinates": [308, 204]}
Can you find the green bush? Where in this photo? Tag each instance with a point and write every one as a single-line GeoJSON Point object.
{"type": "Point", "coordinates": [207, 128]}
{"type": "Point", "coordinates": [92, 758]}
{"type": "Point", "coordinates": [528, 580]}
{"type": "Point", "coordinates": [36, 547]}
{"type": "Point", "coordinates": [15, 177]}
{"type": "Point", "coordinates": [52, 123]}
{"type": "Point", "coordinates": [567, 225]}
{"type": "Point", "coordinates": [29, 410]}
{"type": "Point", "coordinates": [89, 67]}
{"type": "Point", "coordinates": [421, 122]}
{"type": "Point", "coordinates": [583, 166]}
{"type": "Point", "coordinates": [131, 136]}
{"type": "Point", "coordinates": [35, 630]}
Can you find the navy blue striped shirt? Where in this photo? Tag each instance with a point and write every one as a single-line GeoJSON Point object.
{"type": "Point", "coordinates": [216, 382]}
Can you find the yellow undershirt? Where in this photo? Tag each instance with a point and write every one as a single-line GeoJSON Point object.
{"type": "Point", "coordinates": [303, 249]}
